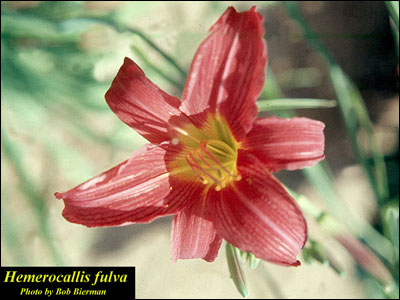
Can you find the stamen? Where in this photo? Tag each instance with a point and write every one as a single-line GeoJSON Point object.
{"type": "Point", "coordinates": [195, 171]}
{"type": "Point", "coordinates": [203, 146]}
{"type": "Point", "coordinates": [204, 160]}
{"type": "Point", "coordinates": [195, 165]}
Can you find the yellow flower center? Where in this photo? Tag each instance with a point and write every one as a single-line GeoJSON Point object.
{"type": "Point", "coordinates": [209, 153]}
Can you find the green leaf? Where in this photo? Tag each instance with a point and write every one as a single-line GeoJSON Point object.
{"type": "Point", "coordinates": [393, 8]}
{"type": "Point", "coordinates": [357, 120]}
{"type": "Point", "coordinates": [294, 103]}
{"type": "Point", "coordinates": [390, 217]}
{"type": "Point", "coordinates": [253, 261]}
{"type": "Point", "coordinates": [235, 269]}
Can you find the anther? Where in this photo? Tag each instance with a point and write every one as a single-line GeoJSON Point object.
{"type": "Point", "coordinates": [194, 169]}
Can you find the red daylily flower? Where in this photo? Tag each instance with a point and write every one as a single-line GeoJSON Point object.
{"type": "Point", "coordinates": [210, 161]}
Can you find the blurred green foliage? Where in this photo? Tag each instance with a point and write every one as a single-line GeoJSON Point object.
{"type": "Point", "coordinates": [356, 120]}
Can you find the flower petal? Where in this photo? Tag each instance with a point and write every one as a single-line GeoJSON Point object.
{"type": "Point", "coordinates": [227, 72]}
{"type": "Point", "coordinates": [257, 215]}
{"type": "Point", "coordinates": [193, 235]}
{"type": "Point", "coordinates": [286, 143]}
{"type": "Point", "coordinates": [141, 104]}
{"type": "Point", "coordinates": [136, 191]}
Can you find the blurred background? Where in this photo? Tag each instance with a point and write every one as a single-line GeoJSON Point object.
{"type": "Point", "coordinates": [58, 59]}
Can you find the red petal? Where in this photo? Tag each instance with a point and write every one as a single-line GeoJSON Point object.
{"type": "Point", "coordinates": [140, 103]}
{"type": "Point", "coordinates": [257, 215]}
{"type": "Point", "coordinates": [227, 72]}
{"type": "Point", "coordinates": [286, 143]}
{"type": "Point", "coordinates": [193, 235]}
{"type": "Point", "coordinates": [136, 191]}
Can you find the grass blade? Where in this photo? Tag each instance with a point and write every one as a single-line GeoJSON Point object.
{"type": "Point", "coordinates": [294, 103]}
{"type": "Point", "coordinates": [393, 8]}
